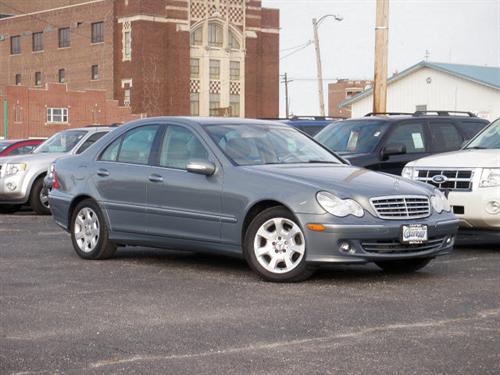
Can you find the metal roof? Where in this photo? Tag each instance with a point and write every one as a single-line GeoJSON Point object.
{"type": "Point", "coordinates": [484, 75]}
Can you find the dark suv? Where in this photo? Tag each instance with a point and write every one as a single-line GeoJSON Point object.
{"type": "Point", "coordinates": [387, 141]}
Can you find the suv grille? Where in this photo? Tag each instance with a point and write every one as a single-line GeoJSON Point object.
{"type": "Point", "coordinates": [401, 207]}
{"type": "Point", "coordinates": [449, 179]}
{"type": "Point", "coordinates": [395, 247]}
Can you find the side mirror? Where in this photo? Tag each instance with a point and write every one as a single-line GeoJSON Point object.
{"type": "Point", "coordinates": [204, 167]}
{"type": "Point", "coordinates": [394, 149]}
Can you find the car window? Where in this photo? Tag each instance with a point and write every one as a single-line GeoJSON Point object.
{"type": "Point", "coordinates": [4, 145]}
{"type": "Point", "coordinates": [410, 134]}
{"type": "Point", "coordinates": [310, 129]}
{"type": "Point", "coordinates": [179, 146]}
{"type": "Point", "coordinates": [446, 136]}
{"type": "Point", "coordinates": [22, 150]}
{"type": "Point", "coordinates": [471, 128]}
{"type": "Point", "coordinates": [132, 147]}
{"type": "Point", "coordinates": [90, 141]}
{"type": "Point", "coordinates": [489, 138]}
{"type": "Point", "coordinates": [63, 141]}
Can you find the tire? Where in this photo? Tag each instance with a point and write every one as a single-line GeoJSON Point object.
{"type": "Point", "coordinates": [404, 266]}
{"type": "Point", "coordinates": [89, 232]}
{"type": "Point", "coordinates": [38, 201]}
{"type": "Point", "coordinates": [9, 208]}
{"type": "Point", "coordinates": [267, 257]}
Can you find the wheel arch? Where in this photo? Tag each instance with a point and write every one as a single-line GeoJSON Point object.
{"type": "Point", "coordinates": [76, 200]}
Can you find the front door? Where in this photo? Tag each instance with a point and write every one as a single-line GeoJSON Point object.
{"type": "Point", "coordinates": [183, 205]}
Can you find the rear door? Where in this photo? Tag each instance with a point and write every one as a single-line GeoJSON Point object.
{"type": "Point", "coordinates": [445, 135]}
{"type": "Point", "coordinates": [413, 134]}
{"type": "Point", "coordinates": [121, 174]}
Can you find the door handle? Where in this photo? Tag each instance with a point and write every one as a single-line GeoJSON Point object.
{"type": "Point", "coordinates": [155, 178]}
{"type": "Point", "coordinates": [102, 172]}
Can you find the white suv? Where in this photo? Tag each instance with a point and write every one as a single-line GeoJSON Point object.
{"type": "Point", "coordinates": [471, 177]}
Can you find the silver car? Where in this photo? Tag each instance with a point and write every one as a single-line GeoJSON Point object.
{"type": "Point", "coordinates": [256, 189]}
{"type": "Point", "coordinates": [21, 177]}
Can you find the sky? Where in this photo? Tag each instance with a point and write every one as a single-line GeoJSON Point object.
{"type": "Point", "coordinates": [460, 31]}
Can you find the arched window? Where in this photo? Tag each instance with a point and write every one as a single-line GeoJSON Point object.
{"type": "Point", "coordinates": [215, 32]}
{"type": "Point", "coordinates": [197, 36]}
{"type": "Point", "coordinates": [233, 42]}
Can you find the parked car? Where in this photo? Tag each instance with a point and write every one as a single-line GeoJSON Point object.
{"type": "Point", "coordinates": [21, 177]}
{"type": "Point", "coordinates": [310, 125]}
{"type": "Point", "coordinates": [257, 189]}
{"type": "Point", "coordinates": [471, 178]}
{"type": "Point", "coordinates": [13, 147]}
{"type": "Point", "coordinates": [386, 142]}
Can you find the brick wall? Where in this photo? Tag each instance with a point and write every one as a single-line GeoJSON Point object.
{"type": "Point", "coordinates": [340, 91]}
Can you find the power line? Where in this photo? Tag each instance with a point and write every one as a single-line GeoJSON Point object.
{"type": "Point", "coordinates": [295, 47]}
{"type": "Point", "coordinates": [297, 50]}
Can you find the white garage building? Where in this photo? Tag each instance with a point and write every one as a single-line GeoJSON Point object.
{"type": "Point", "coordinates": [438, 86]}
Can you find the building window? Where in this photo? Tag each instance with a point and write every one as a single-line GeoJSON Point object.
{"type": "Point", "coordinates": [94, 72]}
{"type": "Point", "coordinates": [57, 115]}
{"type": "Point", "coordinates": [214, 35]}
{"type": "Point", "coordinates": [62, 75]}
{"type": "Point", "coordinates": [126, 98]}
{"type": "Point", "coordinates": [37, 41]}
{"type": "Point", "coordinates": [233, 41]}
{"type": "Point", "coordinates": [127, 46]}
{"type": "Point", "coordinates": [214, 104]}
{"type": "Point", "coordinates": [195, 68]}
{"type": "Point", "coordinates": [197, 37]}
{"type": "Point", "coordinates": [38, 78]}
{"type": "Point", "coordinates": [234, 103]}
{"type": "Point", "coordinates": [18, 79]}
{"type": "Point", "coordinates": [98, 32]}
{"type": "Point", "coordinates": [234, 71]}
{"type": "Point", "coordinates": [214, 69]}
{"type": "Point", "coordinates": [15, 45]}
{"type": "Point", "coordinates": [64, 40]}
{"type": "Point", "coordinates": [195, 103]}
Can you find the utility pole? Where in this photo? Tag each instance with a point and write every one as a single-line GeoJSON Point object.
{"type": "Point", "coordinates": [319, 69]}
{"type": "Point", "coordinates": [286, 81]}
{"type": "Point", "coordinates": [381, 53]}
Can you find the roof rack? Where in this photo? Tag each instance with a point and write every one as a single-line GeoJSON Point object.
{"type": "Point", "coordinates": [370, 114]}
{"type": "Point", "coordinates": [104, 126]}
{"type": "Point", "coordinates": [443, 113]}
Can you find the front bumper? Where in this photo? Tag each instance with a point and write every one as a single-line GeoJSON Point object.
{"type": "Point", "coordinates": [470, 207]}
{"type": "Point", "coordinates": [376, 240]}
{"type": "Point", "coordinates": [13, 189]}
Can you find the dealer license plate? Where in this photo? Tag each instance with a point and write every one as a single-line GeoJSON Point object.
{"type": "Point", "coordinates": [413, 233]}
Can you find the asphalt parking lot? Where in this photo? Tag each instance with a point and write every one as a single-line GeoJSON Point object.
{"type": "Point", "coordinates": [152, 311]}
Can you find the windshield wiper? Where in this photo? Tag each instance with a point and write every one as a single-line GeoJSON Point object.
{"type": "Point", "coordinates": [322, 161]}
{"type": "Point", "coordinates": [475, 148]}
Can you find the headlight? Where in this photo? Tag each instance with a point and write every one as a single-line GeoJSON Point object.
{"type": "Point", "coordinates": [408, 172]}
{"type": "Point", "coordinates": [439, 202]}
{"type": "Point", "coordinates": [12, 169]}
{"type": "Point", "coordinates": [339, 207]}
{"type": "Point", "coordinates": [490, 177]}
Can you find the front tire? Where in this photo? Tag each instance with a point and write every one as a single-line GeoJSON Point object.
{"type": "Point", "coordinates": [89, 232]}
{"type": "Point", "coordinates": [274, 246]}
{"type": "Point", "coordinates": [39, 201]}
{"type": "Point", "coordinates": [404, 266]}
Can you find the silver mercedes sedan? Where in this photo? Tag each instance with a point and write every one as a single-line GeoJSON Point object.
{"type": "Point", "coordinates": [256, 189]}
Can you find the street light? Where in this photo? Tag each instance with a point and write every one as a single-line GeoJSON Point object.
{"type": "Point", "coordinates": [316, 23]}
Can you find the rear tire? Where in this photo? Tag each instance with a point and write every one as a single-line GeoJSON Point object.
{"type": "Point", "coordinates": [274, 247]}
{"type": "Point", "coordinates": [9, 208]}
{"type": "Point", "coordinates": [404, 266]}
{"type": "Point", "coordinates": [89, 232]}
{"type": "Point", "coordinates": [38, 201]}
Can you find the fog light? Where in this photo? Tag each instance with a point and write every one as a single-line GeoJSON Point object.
{"type": "Point", "coordinates": [346, 247]}
{"type": "Point", "coordinates": [493, 207]}
{"type": "Point", "coordinates": [11, 186]}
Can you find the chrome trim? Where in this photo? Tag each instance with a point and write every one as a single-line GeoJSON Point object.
{"type": "Point", "coordinates": [447, 180]}
{"type": "Point", "coordinates": [422, 209]}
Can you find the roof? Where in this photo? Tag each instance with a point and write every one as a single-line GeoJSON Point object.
{"type": "Point", "coordinates": [203, 121]}
{"type": "Point", "coordinates": [484, 75]}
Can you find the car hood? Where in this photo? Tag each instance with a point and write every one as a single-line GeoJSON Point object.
{"type": "Point", "coordinates": [345, 181]}
{"type": "Point", "coordinates": [41, 158]}
{"type": "Point", "coordinates": [461, 159]}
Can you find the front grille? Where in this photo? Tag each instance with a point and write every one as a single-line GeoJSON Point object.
{"type": "Point", "coordinates": [452, 179]}
{"type": "Point", "coordinates": [396, 247]}
{"type": "Point", "coordinates": [401, 207]}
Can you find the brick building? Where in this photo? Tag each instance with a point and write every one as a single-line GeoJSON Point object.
{"type": "Point", "coordinates": [158, 57]}
{"type": "Point", "coordinates": [341, 90]}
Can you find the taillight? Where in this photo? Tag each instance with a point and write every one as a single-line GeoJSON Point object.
{"type": "Point", "coordinates": [53, 174]}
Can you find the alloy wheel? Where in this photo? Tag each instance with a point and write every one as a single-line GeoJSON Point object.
{"type": "Point", "coordinates": [86, 229]}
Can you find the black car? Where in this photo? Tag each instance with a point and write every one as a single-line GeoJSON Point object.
{"type": "Point", "coordinates": [387, 141]}
{"type": "Point", "coordinates": [310, 125]}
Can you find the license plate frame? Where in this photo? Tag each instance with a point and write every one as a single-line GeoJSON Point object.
{"type": "Point", "coordinates": [414, 234]}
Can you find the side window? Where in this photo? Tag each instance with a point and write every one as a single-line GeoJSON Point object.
{"type": "Point", "coordinates": [446, 136]}
{"type": "Point", "coordinates": [90, 141]}
{"type": "Point", "coordinates": [470, 128]}
{"type": "Point", "coordinates": [22, 150]}
{"type": "Point", "coordinates": [410, 134]}
{"type": "Point", "coordinates": [132, 147]}
{"type": "Point", "coordinates": [15, 151]}
{"type": "Point", "coordinates": [180, 145]}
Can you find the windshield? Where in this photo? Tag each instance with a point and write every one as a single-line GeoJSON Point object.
{"type": "Point", "coordinates": [353, 136]}
{"type": "Point", "coordinates": [258, 144]}
{"type": "Point", "coordinates": [61, 142]}
{"type": "Point", "coordinates": [488, 139]}
{"type": "Point", "coordinates": [4, 145]}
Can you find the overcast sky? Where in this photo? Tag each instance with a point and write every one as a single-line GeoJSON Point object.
{"type": "Point", "coordinates": [460, 31]}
